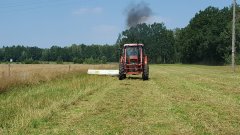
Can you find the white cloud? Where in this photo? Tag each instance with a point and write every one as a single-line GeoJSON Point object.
{"type": "Point", "coordinates": [87, 11]}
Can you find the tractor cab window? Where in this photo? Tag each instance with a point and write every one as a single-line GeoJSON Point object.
{"type": "Point", "coordinates": [132, 51]}
{"type": "Point", "coordinates": [133, 54]}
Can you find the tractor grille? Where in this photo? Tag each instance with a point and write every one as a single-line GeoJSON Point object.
{"type": "Point", "coordinates": [133, 67]}
{"type": "Point", "coordinates": [133, 61]}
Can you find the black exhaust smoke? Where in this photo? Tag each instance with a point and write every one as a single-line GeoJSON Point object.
{"type": "Point", "coordinates": [138, 13]}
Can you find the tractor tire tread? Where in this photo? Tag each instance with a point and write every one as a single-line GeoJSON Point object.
{"type": "Point", "coordinates": [121, 72]}
{"type": "Point", "coordinates": [145, 75]}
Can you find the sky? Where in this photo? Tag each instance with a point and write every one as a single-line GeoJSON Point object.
{"type": "Point", "coordinates": [45, 23]}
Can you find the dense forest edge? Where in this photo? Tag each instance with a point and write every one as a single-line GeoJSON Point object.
{"type": "Point", "coordinates": [205, 40]}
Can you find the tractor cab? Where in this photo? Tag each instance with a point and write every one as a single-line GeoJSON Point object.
{"type": "Point", "coordinates": [133, 54]}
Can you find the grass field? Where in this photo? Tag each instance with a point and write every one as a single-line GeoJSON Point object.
{"type": "Point", "coordinates": [178, 99]}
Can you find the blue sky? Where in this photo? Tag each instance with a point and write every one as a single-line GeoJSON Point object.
{"type": "Point", "coordinates": [44, 23]}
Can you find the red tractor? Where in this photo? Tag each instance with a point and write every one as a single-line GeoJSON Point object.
{"type": "Point", "coordinates": [133, 61]}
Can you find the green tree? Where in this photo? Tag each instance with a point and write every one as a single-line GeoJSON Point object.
{"type": "Point", "coordinates": [158, 41]}
{"type": "Point", "coordinates": [207, 38]}
{"type": "Point", "coordinates": [59, 60]}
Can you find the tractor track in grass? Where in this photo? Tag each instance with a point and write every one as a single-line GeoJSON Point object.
{"type": "Point", "coordinates": [206, 106]}
{"type": "Point", "coordinates": [70, 113]}
{"type": "Point", "coordinates": [99, 103]}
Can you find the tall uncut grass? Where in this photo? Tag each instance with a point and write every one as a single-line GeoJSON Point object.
{"type": "Point", "coordinates": [22, 74]}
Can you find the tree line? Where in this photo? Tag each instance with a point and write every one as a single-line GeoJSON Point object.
{"type": "Point", "coordinates": [88, 54]}
{"type": "Point", "coordinates": [205, 40]}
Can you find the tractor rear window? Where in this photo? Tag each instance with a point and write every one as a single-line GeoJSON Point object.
{"type": "Point", "coordinates": [132, 51]}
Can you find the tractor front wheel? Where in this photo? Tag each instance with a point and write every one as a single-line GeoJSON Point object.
{"type": "Point", "coordinates": [122, 74]}
{"type": "Point", "coordinates": [145, 74]}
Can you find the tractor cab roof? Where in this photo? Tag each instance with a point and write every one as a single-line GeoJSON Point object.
{"type": "Point", "coordinates": [126, 45]}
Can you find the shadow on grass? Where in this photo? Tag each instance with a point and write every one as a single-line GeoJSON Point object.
{"type": "Point", "coordinates": [136, 78]}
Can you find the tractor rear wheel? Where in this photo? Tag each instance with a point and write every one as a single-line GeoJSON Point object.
{"type": "Point", "coordinates": [121, 72]}
{"type": "Point", "coordinates": [145, 74]}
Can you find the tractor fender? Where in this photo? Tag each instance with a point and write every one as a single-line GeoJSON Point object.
{"type": "Point", "coordinates": [121, 60]}
{"type": "Point", "coordinates": [145, 60]}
